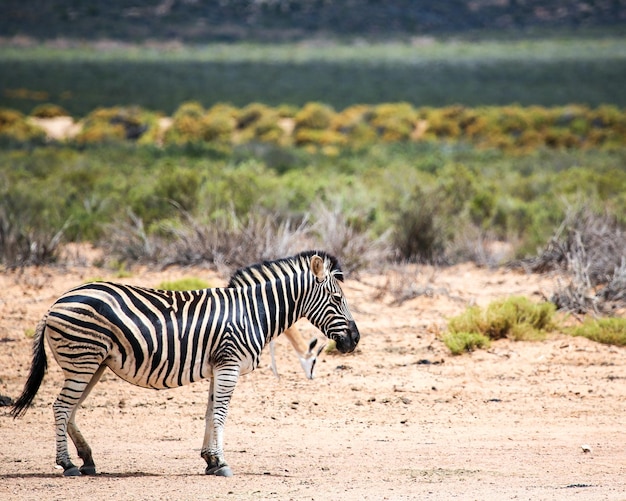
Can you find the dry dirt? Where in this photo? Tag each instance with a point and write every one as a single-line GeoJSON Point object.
{"type": "Point", "coordinates": [398, 419]}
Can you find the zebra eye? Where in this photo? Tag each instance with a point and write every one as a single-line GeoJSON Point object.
{"type": "Point", "coordinates": [337, 297]}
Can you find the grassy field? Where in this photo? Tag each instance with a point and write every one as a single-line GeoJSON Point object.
{"type": "Point", "coordinates": [424, 73]}
{"type": "Point", "coordinates": [434, 197]}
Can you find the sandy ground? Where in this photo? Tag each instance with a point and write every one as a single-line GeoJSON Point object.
{"type": "Point", "coordinates": [399, 419]}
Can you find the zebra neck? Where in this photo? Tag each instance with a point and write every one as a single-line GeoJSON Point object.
{"type": "Point", "coordinates": [280, 305]}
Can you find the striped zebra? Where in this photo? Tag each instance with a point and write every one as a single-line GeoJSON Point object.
{"type": "Point", "coordinates": [307, 354]}
{"type": "Point", "coordinates": [164, 339]}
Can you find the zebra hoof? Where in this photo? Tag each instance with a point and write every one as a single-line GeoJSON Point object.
{"type": "Point", "coordinates": [72, 471]}
{"type": "Point", "coordinates": [87, 470]}
{"type": "Point", "coordinates": [219, 471]}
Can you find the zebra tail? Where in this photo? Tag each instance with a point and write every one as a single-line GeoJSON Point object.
{"type": "Point", "coordinates": [37, 372]}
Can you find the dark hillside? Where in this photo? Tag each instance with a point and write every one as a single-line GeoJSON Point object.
{"type": "Point", "coordinates": [275, 20]}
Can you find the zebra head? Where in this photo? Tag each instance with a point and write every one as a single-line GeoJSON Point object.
{"type": "Point", "coordinates": [328, 309]}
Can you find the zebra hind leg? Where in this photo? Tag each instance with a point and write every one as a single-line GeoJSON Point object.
{"type": "Point", "coordinates": [75, 390]}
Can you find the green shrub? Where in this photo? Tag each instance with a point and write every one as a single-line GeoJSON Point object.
{"type": "Point", "coordinates": [602, 330]}
{"type": "Point", "coordinates": [440, 125]}
{"type": "Point", "coordinates": [514, 318]}
{"type": "Point", "coordinates": [112, 125]}
{"type": "Point", "coordinates": [251, 114]}
{"type": "Point", "coordinates": [316, 116]}
{"type": "Point", "coordinates": [219, 124]}
{"type": "Point", "coordinates": [169, 190]}
{"type": "Point", "coordinates": [461, 342]}
{"type": "Point", "coordinates": [259, 122]}
{"type": "Point", "coordinates": [9, 117]}
{"type": "Point", "coordinates": [416, 231]}
{"type": "Point", "coordinates": [304, 137]}
{"type": "Point", "coordinates": [184, 284]}
{"type": "Point", "coordinates": [393, 121]}
{"type": "Point", "coordinates": [186, 124]}
{"type": "Point", "coordinates": [15, 128]}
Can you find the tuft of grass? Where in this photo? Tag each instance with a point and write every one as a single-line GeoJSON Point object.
{"type": "Point", "coordinates": [515, 318]}
{"type": "Point", "coordinates": [602, 330]}
{"type": "Point", "coordinates": [184, 284]}
{"type": "Point", "coordinates": [331, 346]}
{"type": "Point", "coordinates": [94, 279]}
{"type": "Point", "coordinates": [461, 342]}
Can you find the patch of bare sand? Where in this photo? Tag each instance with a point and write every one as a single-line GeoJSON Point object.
{"type": "Point", "coordinates": [398, 419]}
{"type": "Point", "coordinates": [58, 128]}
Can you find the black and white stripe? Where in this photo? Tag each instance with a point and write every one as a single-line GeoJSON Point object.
{"type": "Point", "coordinates": [164, 339]}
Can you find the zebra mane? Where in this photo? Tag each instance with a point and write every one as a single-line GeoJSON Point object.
{"type": "Point", "coordinates": [283, 264]}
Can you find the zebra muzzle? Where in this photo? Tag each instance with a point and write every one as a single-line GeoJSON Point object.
{"type": "Point", "coordinates": [347, 342]}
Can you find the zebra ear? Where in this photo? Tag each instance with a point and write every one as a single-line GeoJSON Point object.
{"type": "Point", "coordinates": [317, 266]}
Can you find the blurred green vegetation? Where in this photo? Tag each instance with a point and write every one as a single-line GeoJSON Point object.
{"type": "Point", "coordinates": [318, 126]}
{"type": "Point", "coordinates": [602, 330]}
{"type": "Point", "coordinates": [426, 192]}
{"type": "Point", "coordinates": [547, 72]}
{"type": "Point", "coordinates": [184, 284]}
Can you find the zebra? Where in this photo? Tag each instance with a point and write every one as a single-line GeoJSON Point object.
{"type": "Point", "coordinates": [307, 355]}
{"type": "Point", "coordinates": [163, 339]}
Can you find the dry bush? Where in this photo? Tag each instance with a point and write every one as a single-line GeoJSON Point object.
{"type": "Point", "coordinates": [232, 242]}
{"type": "Point", "coordinates": [228, 243]}
{"type": "Point", "coordinates": [597, 238]}
{"type": "Point", "coordinates": [591, 249]}
{"type": "Point", "coordinates": [21, 245]}
{"type": "Point", "coordinates": [355, 248]}
{"type": "Point", "coordinates": [474, 244]}
{"type": "Point", "coordinates": [404, 282]}
{"type": "Point", "coordinates": [615, 290]}
{"type": "Point", "coordinates": [575, 295]}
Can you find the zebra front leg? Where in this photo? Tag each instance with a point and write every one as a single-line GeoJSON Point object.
{"type": "Point", "coordinates": [209, 432]}
{"type": "Point", "coordinates": [222, 386]}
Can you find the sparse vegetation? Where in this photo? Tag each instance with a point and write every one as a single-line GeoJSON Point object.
{"type": "Point", "coordinates": [602, 330]}
{"type": "Point", "coordinates": [462, 342]}
{"type": "Point", "coordinates": [318, 127]}
{"type": "Point", "coordinates": [515, 318]}
{"type": "Point", "coordinates": [184, 284]}
{"type": "Point", "coordinates": [418, 202]}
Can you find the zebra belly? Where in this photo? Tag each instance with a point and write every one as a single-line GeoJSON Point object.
{"type": "Point", "coordinates": [157, 374]}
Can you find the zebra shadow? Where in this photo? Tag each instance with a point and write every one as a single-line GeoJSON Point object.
{"type": "Point", "coordinates": [136, 474]}
{"type": "Point", "coordinates": [129, 474]}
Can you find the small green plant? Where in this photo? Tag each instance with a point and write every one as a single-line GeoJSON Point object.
{"type": "Point", "coordinates": [602, 330]}
{"type": "Point", "coordinates": [515, 318]}
{"type": "Point", "coordinates": [94, 279]}
{"type": "Point", "coordinates": [460, 342]}
{"type": "Point", "coordinates": [331, 347]}
{"type": "Point", "coordinates": [119, 267]}
{"type": "Point", "coordinates": [184, 284]}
